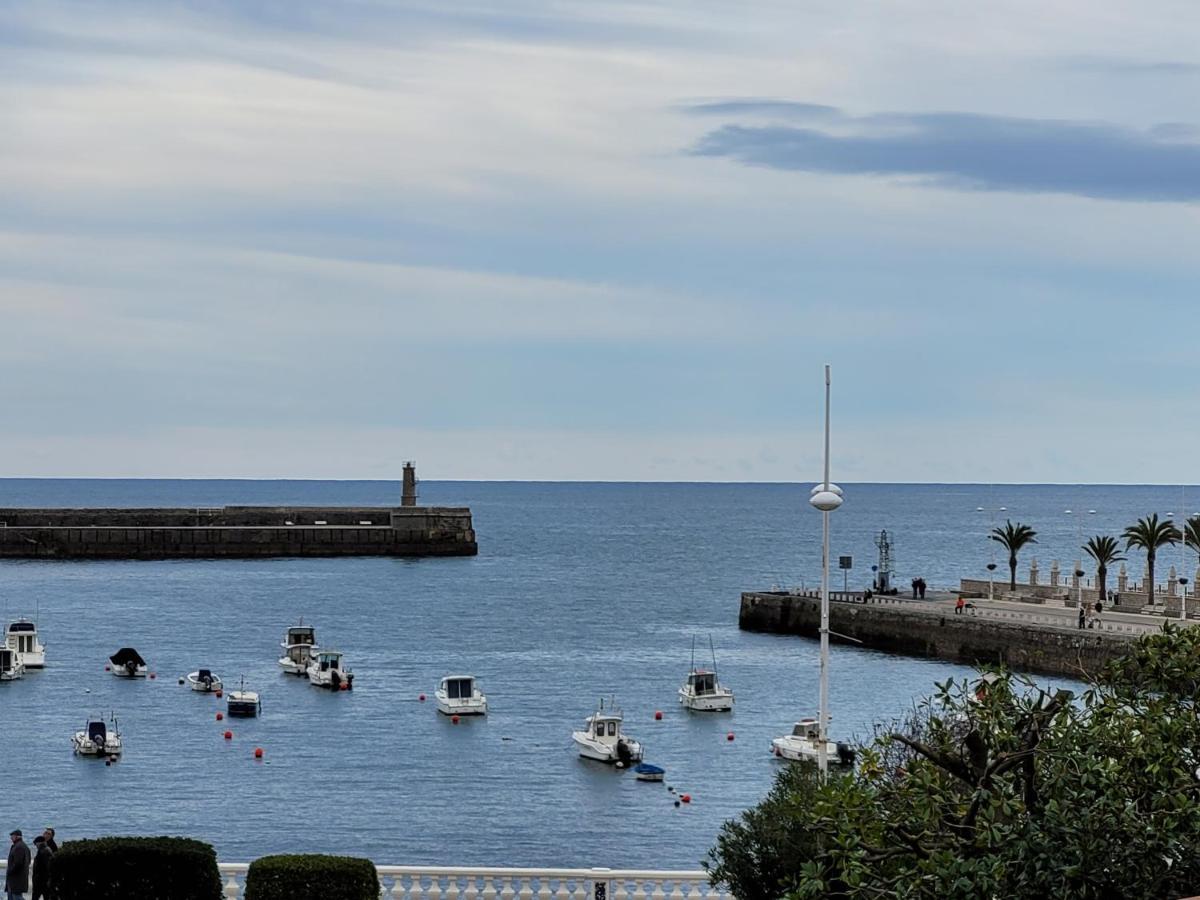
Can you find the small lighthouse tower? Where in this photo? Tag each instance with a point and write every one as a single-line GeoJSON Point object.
{"type": "Point", "coordinates": [409, 495]}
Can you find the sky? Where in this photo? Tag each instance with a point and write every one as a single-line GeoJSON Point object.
{"type": "Point", "coordinates": [557, 240]}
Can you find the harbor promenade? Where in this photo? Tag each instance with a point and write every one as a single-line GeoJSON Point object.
{"type": "Point", "coordinates": [474, 883]}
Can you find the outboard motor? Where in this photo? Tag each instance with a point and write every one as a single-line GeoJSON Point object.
{"type": "Point", "coordinates": [845, 754]}
{"type": "Point", "coordinates": [349, 680]}
{"type": "Point", "coordinates": [623, 753]}
{"type": "Point", "coordinates": [335, 680]}
{"type": "Point", "coordinates": [130, 668]}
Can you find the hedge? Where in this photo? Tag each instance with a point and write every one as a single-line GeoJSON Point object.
{"type": "Point", "coordinates": [146, 868]}
{"type": "Point", "coordinates": [311, 876]}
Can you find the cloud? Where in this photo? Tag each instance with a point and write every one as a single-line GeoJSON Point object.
{"type": "Point", "coordinates": [964, 151]}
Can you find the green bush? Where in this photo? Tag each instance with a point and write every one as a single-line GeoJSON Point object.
{"type": "Point", "coordinates": [148, 868]}
{"type": "Point", "coordinates": [312, 877]}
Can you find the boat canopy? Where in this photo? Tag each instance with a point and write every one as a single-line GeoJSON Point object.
{"type": "Point", "coordinates": [703, 682]}
{"type": "Point", "coordinates": [125, 656]}
{"type": "Point", "coordinates": [97, 732]}
{"type": "Point", "coordinates": [301, 634]}
{"type": "Point", "coordinates": [22, 626]}
{"type": "Point", "coordinates": [806, 728]}
{"type": "Point", "coordinates": [459, 687]}
{"type": "Point", "coordinates": [329, 657]}
{"type": "Point", "coordinates": [7, 658]}
{"type": "Point", "coordinates": [203, 674]}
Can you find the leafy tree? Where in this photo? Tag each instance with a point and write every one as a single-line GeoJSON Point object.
{"type": "Point", "coordinates": [1149, 534]}
{"type": "Point", "coordinates": [998, 789]}
{"type": "Point", "coordinates": [1105, 551]}
{"type": "Point", "coordinates": [1013, 538]}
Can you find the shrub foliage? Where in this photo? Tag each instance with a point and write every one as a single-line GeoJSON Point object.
{"type": "Point", "coordinates": [1010, 791]}
{"type": "Point", "coordinates": [148, 868]}
{"type": "Point", "coordinates": [312, 877]}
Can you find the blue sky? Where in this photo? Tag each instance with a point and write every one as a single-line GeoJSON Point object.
{"type": "Point", "coordinates": [570, 240]}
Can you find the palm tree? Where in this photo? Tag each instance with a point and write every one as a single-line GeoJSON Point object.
{"type": "Point", "coordinates": [1191, 533]}
{"type": "Point", "coordinates": [1105, 551]}
{"type": "Point", "coordinates": [1013, 538]}
{"type": "Point", "coordinates": [1149, 534]}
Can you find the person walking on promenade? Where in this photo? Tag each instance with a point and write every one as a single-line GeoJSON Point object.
{"type": "Point", "coordinates": [48, 834]}
{"type": "Point", "coordinates": [914, 586]}
{"type": "Point", "coordinates": [16, 875]}
{"type": "Point", "coordinates": [1099, 612]}
{"type": "Point", "coordinates": [41, 868]}
{"type": "Point", "coordinates": [1082, 615]}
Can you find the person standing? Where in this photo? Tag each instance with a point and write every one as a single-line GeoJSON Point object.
{"type": "Point", "coordinates": [958, 606]}
{"type": "Point", "coordinates": [1081, 616]}
{"type": "Point", "coordinates": [914, 587]}
{"type": "Point", "coordinates": [921, 587]}
{"type": "Point", "coordinates": [16, 875]}
{"type": "Point", "coordinates": [48, 834]}
{"type": "Point", "coordinates": [41, 868]}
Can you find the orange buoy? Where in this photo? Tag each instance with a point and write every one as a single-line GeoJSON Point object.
{"type": "Point", "coordinates": [729, 737]}
{"type": "Point", "coordinates": [258, 752]}
{"type": "Point", "coordinates": [220, 716]}
{"type": "Point", "coordinates": [658, 715]}
{"type": "Point", "coordinates": [454, 719]}
{"type": "Point", "coordinates": [229, 735]}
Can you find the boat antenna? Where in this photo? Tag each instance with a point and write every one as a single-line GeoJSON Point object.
{"type": "Point", "coordinates": [693, 654]}
{"type": "Point", "coordinates": [713, 650]}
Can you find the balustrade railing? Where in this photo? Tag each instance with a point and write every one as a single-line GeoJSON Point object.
{"type": "Point", "coordinates": [458, 883]}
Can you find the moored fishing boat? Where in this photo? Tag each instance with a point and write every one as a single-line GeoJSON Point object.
{"type": "Point", "coordinates": [601, 738]}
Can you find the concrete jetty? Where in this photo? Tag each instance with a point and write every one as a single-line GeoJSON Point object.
{"type": "Point", "coordinates": [985, 635]}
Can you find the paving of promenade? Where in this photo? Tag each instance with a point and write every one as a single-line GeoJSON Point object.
{"type": "Point", "coordinates": [1039, 613]}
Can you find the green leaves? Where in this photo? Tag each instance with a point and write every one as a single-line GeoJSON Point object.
{"type": "Point", "coordinates": [1149, 534]}
{"type": "Point", "coordinates": [1013, 537]}
{"type": "Point", "coordinates": [997, 788]}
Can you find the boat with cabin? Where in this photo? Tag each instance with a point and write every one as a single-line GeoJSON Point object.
{"type": "Point", "coordinates": [11, 667]}
{"type": "Point", "coordinates": [128, 663]}
{"type": "Point", "coordinates": [22, 637]}
{"type": "Point", "coordinates": [204, 680]}
{"type": "Point", "coordinates": [601, 738]}
{"type": "Point", "coordinates": [459, 695]}
{"type": "Point", "coordinates": [702, 690]}
{"type": "Point", "coordinates": [243, 702]}
{"type": "Point", "coordinates": [299, 644]}
{"type": "Point", "coordinates": [804, 745]}
{"type": "Point", "coordinates": [97, 739]}
{"type": "Point", "coordinates": [327, 670]}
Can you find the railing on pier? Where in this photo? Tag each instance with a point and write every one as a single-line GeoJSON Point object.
{"type": "Point", "coordinates": [465, 883]}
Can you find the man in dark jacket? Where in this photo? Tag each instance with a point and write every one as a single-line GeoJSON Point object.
{"type": "Point", "coordinates": [16, 875]}
{"type": "Point", "coordinates": [41, 867]}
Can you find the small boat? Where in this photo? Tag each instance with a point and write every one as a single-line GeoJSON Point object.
{"type": "Point", "coordinates": [97, 740]}
{"type": "Point", "coordinates": [11, 667]}
{"type": "Point", "coordinates": [204, 680]}
{"type": "Point", "coordinates": [299, 644]}
{"type": "Point", "coordinates": [702, 690]}
{"type": "Point", "coordinates": [243, 702]}
{"type": "Point", "coordinates": [22, 637]}
{"type": "Point", "coordinates": [804, 745]}
{"type": "Point", "coordinates": [459, 695]}
{"type": "Point", "coordinates": [648, 772]}
{"type": "Point", "coordinates": [128, 663]}
{"type": "Point", "coordinates": [601, 738]}
{"type": "Point", "coordinates": [327, 671]}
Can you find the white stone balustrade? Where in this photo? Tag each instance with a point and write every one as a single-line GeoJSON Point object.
{"type": "Point", "coordinates": [456, 883]}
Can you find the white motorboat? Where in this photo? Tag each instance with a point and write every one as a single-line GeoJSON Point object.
{"type": "Point", "coordinates": [22, 637]}
{"type": "Point", "coordinates": [299, 644]}
{"type": "Point", "coordinates": [702, 691]}
{"type": "Point", "coordinates": [601, 738]}
{"type": "Point", "coordinates": [804, 745]}
{"type": "Point", "coordinates": [459, 695]}
{"type": "Point", "coordinates": [11, 667]}
{"type": "Point", "coordinates": [128, 663]}
{"type": "Point", "coordinates": [328, 671]}
{"type": "Point", "coordinates": [243, 702]}
{"type": "Point", "coordinates": [97, 739]}
{"type": "Point", "coordinates": [204, 680]}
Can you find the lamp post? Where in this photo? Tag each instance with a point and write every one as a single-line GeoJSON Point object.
{"type": "Point", "coordinates": [826, 497]}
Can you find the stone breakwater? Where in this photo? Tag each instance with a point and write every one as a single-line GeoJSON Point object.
{"type": "Point", "coordinates": [235, 531]}
{"type": "Point", "coordinates": [935, 630]}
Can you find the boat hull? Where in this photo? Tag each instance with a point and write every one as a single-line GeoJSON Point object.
{"type": "Point", "coordinates": [292, 668]}
{"type": "Point", "coordinates": [86, 747]}
{"type": "Point", "coordinates": [804, 750]}
{"type": "Point", "coordinates": [122, 672]}
{"type": "Point", "coordinates": [721, 701]}
{"type": "Point", "coordinates": [589, 748]}
{"type": "Point", "coordinates": [204, 687]}
{"type": "Point", "coordinates": [476, 706]}
{"type": "Point", "coordinates": [12, 674]}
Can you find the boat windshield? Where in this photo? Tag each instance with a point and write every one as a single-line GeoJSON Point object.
{"type": "Point", "coordinates": [704, 683]}
{"type": "Point", "coordinates": [459, 688]}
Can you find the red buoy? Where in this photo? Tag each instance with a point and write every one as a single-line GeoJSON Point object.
{"type": "Point", "coordinates": [729, 737]}
{"type": "Point", "coordinates": [421, 697]}
{"type": "Point", "coordinates": [220, 694]}
{"type": "Point", "coordinates": [258, 752]}
{"type": "Point", "coordinates": [454, 719]}
{"type": "Point", "coordinates": [108, 668]}
{"type": "Point", "coordinates": [153, 675]}
{"type": "Point", "coordinates": [686, 798]}
{"type": "Point", "coordinates": [658, 715]}
{"type": "Point", "coordinates": [220, 716]}
{"type": "Point", "coordinates": [229, 735]}
{"type": "Point", "coordinates": [345, 686]}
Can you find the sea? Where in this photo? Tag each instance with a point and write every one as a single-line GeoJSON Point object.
{"type": "Point", "coordinates": [580, 591]}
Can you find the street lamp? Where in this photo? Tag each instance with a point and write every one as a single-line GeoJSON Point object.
{"type": "Point", "coordinates": [826, 497]}
{"type": "Point", "coordinates": [1079, 560]}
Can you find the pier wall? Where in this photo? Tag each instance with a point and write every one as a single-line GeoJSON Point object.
{"type": "Point", "coordinates": [908, 628]}
{"type": "Point", "coordinates": [235, 531]}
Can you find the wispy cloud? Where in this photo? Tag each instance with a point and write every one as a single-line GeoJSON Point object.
{"type": "Point", "coordinates": [964, 151]}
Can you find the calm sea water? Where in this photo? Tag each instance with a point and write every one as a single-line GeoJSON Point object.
{"type": "Point", "coordinates": [579, 591]}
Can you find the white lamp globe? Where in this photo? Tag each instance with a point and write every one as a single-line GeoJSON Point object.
{"type": "Point", "coordinates": [820, 486]}
{"type": "Point", "coordinates": [825, 501]}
